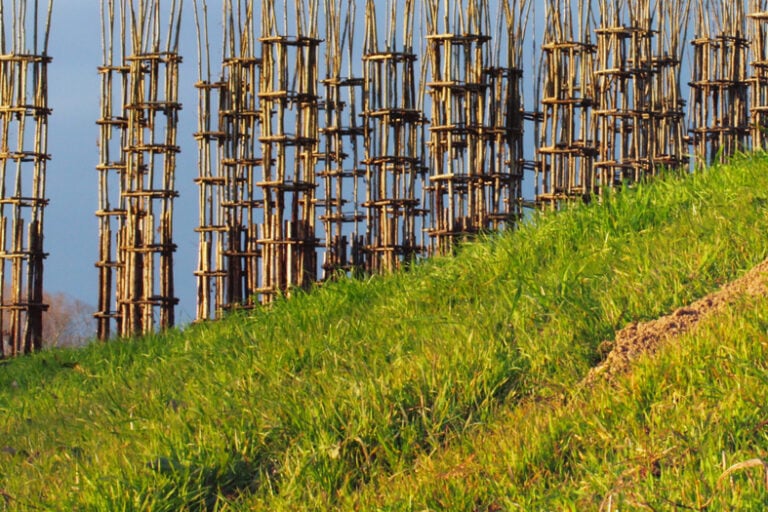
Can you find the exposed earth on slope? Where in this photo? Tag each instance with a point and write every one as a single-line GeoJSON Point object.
{"type": "Point", "coordinates": [645, 338]}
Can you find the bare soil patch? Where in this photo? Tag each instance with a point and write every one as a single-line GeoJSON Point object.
{"type": "Point", "coordinates": [637, 339]}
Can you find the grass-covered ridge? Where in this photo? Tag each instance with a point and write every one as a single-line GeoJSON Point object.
{"type": "Point", "coordinates": [322, 400]}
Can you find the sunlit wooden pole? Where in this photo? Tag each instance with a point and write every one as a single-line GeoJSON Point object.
{"type": "Point", "coordinates": [289, 145]}
{"type": "Point", "coordinates": [24, 155]}
{"type": "Point", "coordinates": [566, 150]}
{"type": "Point", "coordinates": [137, 177]}
{"type": "Point", "coordinates": [719, 87]}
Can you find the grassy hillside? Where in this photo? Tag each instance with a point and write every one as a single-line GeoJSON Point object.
{"type": "Point", "coordinates": [659, 439]}
{"type": "Point", "coordinates": [436, 388]}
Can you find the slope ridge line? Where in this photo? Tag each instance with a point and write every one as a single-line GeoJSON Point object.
{"type": "Point", "coordinates": [639, 338]}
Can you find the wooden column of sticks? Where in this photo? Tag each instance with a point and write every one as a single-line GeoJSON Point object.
{"type": "Point", "coordinates": [23, 161]}
{"type": "Point", "coordinates": [668, 106]}
{"type": "Point", "coordinates": [143, 263]}
{"type": "Point", "coordinates": [341, 138]}
{"type": "Point", "coordinates": [242, 200]}
{"type": "Point", "coordinates": [456, 51]}
{"type": "Point", "coordinates": [111, 170]}
{"type": "Point", "coordinates": [289, 140]}
{"type": "Point", "coordinates": [230, 200]}
{"type": "Point", "coordinates": [211, 272]}
{"type": "Point", "coordinates": [394, 153]}
{"type": "Point", "coordinates": [566, 149]}
{"type": "Point", "coordinates": [719, 88]}
{"type": "Point", "coordinates": [624, 115]}
{"type": "Point", "coordinates": [759, 86]}
{"type": "Point", "coordinates": [504, 116]}
{"type": "Point", "coordinates": [477, 118]}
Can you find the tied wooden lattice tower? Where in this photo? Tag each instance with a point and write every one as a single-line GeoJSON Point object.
{"type": "Point", "coordinates": [759, 98]}
{"type": "Point", "coordinates": [476, 119]}
{"type": "Point", "coordinates": [667, 104]}
{"type": "Point", "coordinates": [720, 84]}
{"type": "Point", "coordinates": [341, 139]}
{"type": "Point", "coordinates": [624, 74]}
{"type": "Point", "coordinates": [503, 152]}
{"type": "Point", "coordinates": [24, 115]}
{"type": "Point", "coordinates": [457, 49]}
{"type": "Point", "coordinates": [394, 141]}
{"type": "Point", "coordinates": [229, 164]}
{"type": "Point", "coordinates": [258, 151]}
{"type": "Point", "coordinates": [111, 168]}
{"type": "Point", "coordinates": [137, 178]}
{"type": "Point", "coordinates": [211, 272]}
{"type": "Point", "coordinates": [566, 150]}
{"type": "Point", "coordinates": [289, 142]}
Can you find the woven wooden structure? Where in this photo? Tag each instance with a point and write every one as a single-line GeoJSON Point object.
{"type": "Point", "coordinates": [503, 153]}
{"type": "Point", "coordinates": [668, 106]}
{"type": "Point", "coordinates": [136, 256]}
{"type": "Point", "coordinates": [289, 103]}
{"type": "Point", "coordinates": [305, 176]}
{"type": "Point", "coordinates": [719, 114]}
{"type": "Point", "coordinates": [566, 150]}
{"type": "Point", "coordinates": [111, 169]}
{"type": "Point", "coordinates": [625, 73]}
{"type": "Point", "coordinates": [393, 126]}
{"type": "Point", "coordinates": [475, 144]}
{"type": "Point", "coordinates": [230, 166]}
{"type": "Point", "coordinates": [458, 51]}
{"type": "Point", "coordinates": [24, 156]}
{"type": "Point", "coordinates": [210, 273]}
{"type": "Point", "coordinates": [341, 139]}
{"type": "Point", "coordinates": [758, 14]}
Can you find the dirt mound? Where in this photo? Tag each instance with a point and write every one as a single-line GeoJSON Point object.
{"type": "Point", "coordinates": [645, 338]}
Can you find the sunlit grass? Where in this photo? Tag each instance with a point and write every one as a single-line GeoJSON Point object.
{"type": "Point", "coordinates": [321, 401]}
{"type": "Point", "coordinates": [661, 438]}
